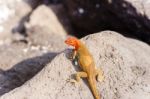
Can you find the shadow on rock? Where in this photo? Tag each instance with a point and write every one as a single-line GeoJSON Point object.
{"type": "Point", "coordinates": [20, 28]}
{"type": "Point", "coordinates": [23, 71]}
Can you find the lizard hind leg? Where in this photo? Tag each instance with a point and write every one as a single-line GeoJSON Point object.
{"type": "Point", "coordinates": [99, 75]}
{"type": "Point", "coordinates": [78, 77]}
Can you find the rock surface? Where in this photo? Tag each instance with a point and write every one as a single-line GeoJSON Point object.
{"type": "Point", "coordinates": [45, 17]}
{"type": "Point", "coordinates": [125, 63]}
{"type": "Point", "coordinates": [45, 39]}
{"type": "Point", "coordinates": [130, 17]}
{"type": "Point", "coordinates": [21, 60]}
{"type": "Point", "coordinates": [23, 57]}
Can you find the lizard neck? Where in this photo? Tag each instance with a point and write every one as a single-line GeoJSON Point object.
{"type": "Point", "coordinates": [82, 49]}
{"type": "Point", "coordinates": [77, 45]}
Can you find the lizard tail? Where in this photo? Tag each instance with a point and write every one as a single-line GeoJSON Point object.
{"type": "Point", "coordinates": [92, 83]}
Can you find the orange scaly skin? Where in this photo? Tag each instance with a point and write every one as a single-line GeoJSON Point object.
{"type": "Point", "coordinates": [87, 64]}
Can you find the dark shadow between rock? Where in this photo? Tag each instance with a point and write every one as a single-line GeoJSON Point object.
{"type": "Point", "coordinates": [34, 3]}
{"type": "Point", "coordinates": [21, 25]}
{"type": "Point", "coordinates": [117, 15]}
{"type": "Point", "coordinates": [23, 71]}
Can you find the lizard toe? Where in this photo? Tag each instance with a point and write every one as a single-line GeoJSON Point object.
{"type": "Point", "coordinates": [100, 78]}
{"type": "Point", "coordinates": [74, 82]}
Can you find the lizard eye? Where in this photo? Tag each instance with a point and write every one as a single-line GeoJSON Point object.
{"type": "Point", "coordinates": [71, 42]}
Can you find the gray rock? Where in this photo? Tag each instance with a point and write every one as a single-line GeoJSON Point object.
{"type": "Point", "coordinates": [125, 63]}
{"type": "Point", "coordinates": [19, 62]}
{"type": "Point", "coordinates": [45, 17]}
{"type": "Point", "coordinates": [22, 57]}
{"type": "Point", "coordinates": [45, 39]}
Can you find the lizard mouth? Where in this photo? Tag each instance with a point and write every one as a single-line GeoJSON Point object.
{"type": "Point", "coordinates": [71, 47]}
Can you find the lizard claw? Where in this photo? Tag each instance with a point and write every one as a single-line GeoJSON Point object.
{"type": "Point", "coordinates": [74, 82]}
{"type": "Point", "coordinates": [70, 57]}
{"type": "Point", "coordinates": [100, 75]}
{"type": "Point", "coordinates": [100, 78]}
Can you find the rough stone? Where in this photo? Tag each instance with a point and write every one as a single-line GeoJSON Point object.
{"type": "Point", "coordinates": [22, 57]}
{"type": "Point", "coordinates": [125, 63]}
{"type": "Point", "coordinates": [19, 62]}
{"type": "Point", "coordinates": [46, 39]}
{"type": "Point", "coordinates": [45, 17]}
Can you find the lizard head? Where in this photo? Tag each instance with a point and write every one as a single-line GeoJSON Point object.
{"type": "Point", "coordinates": [72, 41]}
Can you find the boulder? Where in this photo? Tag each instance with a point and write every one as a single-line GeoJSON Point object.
{"type": "Point", "coordinates": [125, 63]}
{"type": "Point", "coordinates": [22, 58]}
{"type": "Point", "coordinates": [19, 62]}
{"type": "Point", "coordinates": [45, 17]}
{"type": "Point", "coordinates": [45, 38]}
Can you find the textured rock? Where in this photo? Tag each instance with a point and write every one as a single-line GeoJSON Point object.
{"type": "Point", "coordinates": [126, 68]}
{"type": "Point", "coordinates": [129, 17]}
{"type": "Point", "coordinates": [19, 62]}
{"type": "Point", "coordinates": [22, 59]}
{"type": "Point", "coordinates": [46, 39]}
{"type": "Point", "coordinates": [24, 56]}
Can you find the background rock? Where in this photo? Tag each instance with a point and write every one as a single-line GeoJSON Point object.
{"type": "Point", "coordinates": [45, 17]}
{"type": "Point", "coordinates": [128, 17]}
{"type": "Point", "coordinates": [23, 57]}
{"type": "Point", "coordinates": [21, 60]}
{"type": "Point", "coordinates": [44, 38]}
{"type": "Point", "coordinates": [13, 13]}
{"type": "Point", "coordinates": [126, 68]}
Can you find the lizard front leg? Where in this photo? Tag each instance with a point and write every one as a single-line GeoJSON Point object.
{"type": "Point", "coordinates": [99, 75]}
{"type": "Point", "coordinates": [78, 77]}
{"type": "Point", "coordinates": [72, 55]}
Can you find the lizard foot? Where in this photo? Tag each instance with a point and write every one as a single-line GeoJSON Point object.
{"type": "Point", "coordinates": [74, 82]}
{"type": "Point", "coordinates": [71, 55]}
{"type": "Point", "coordinates": [100, 78]}
{"type": "Point", "coordinates": [100, 75]}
